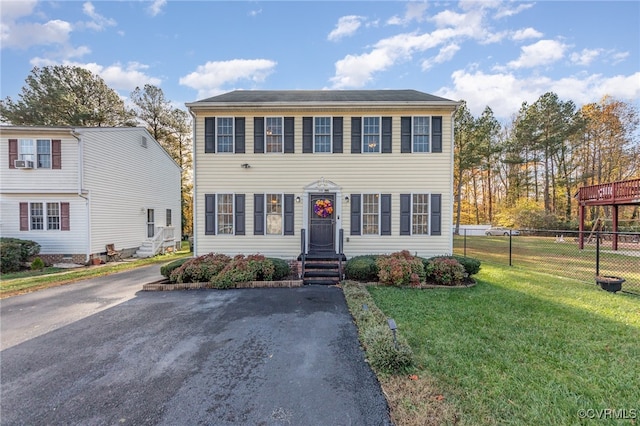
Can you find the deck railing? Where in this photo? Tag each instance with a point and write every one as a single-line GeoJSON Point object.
{"type": "Point", "coordinates": [627, 191]}
{"type": "Point", "coordinates": [163, 238]}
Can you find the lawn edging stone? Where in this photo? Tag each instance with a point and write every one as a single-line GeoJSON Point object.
{"type": "Point", "coordinates": [163, 285]}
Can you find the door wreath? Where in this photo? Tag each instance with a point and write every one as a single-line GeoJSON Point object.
{"type": "Point", "coordinates": [323, 208]}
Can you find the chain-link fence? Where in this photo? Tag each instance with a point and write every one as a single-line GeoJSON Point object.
{"type": "Point", "coordinates": [559, 253]}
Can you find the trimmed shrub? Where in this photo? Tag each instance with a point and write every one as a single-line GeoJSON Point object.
{"type": "Point", "coordinates": [445, 271]}
{"type": "Point", "coordinates": [400, 269]}
{"type": "Point", "coordinates": [37, 264]}
{"type": "Point", "coordinates": [362, 268]}
{"type": "Point", "coordinates": [382, 353]}
{"type": "Point", "coordinates": [200, 269]}
{"type": "Point", "coordinates": [471, 265]}
{"type": "Point", "coordinates": [254, 267]}
{"type": "Point", "coordinates": [14, 252]}
{"type": "Point", "coordinates": [167, 269]}
{"type": "Point", "coordinates": [281, 268]}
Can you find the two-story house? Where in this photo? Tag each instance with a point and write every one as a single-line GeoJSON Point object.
{"type": "Point", "coordinates": [284, 173]}
{"type": "Point", "coordinates": [76, 190]}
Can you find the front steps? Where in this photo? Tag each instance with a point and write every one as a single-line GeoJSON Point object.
{"type": "Point", "coordinates": [322, 269]}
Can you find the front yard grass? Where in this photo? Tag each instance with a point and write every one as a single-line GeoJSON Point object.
{"type": "Point", "coordinates": [28, 281]}
{"type": "Point", "coordinates": [518, 348]}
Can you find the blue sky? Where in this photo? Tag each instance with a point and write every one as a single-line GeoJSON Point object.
{"type": "Point", "coordinates": [495, 53]}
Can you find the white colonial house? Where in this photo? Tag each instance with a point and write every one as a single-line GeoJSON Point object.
{"type": "Point", "coordinates": [323, 174]}
{"type": "Point", "coordinates": [76, 190]}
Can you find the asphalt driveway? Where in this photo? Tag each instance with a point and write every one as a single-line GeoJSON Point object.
{"type": "Point", "coordinates": [250, 357]}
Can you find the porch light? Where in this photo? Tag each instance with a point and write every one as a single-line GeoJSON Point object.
{"type": "Point", "coordinates": [298, 199]}
{"type": "Point", "coordinates": [346, 198]}
{"type": "Point", "coordinates": [245, 165]}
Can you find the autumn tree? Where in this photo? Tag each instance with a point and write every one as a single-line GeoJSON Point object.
{"type": "Point", "coordinates": [66, 96]}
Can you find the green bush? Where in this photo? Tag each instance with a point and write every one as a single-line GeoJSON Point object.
{"type": "Point", "coordinates": [400, 269]}
{"type": "Point", "coordinates": [37, 264]}
{"type": "Point", "coordinates": [471, 265]}
{"type": "Point", "coordinates": [14, 252]}
{"type": "Point", "coordinates": [362, 268]}
{"type": "Point", "coordinates": [281, 268]}
{"type": "Point", "coordinates": [254, 267]}
{"type": "Point", "coordinates": [167, 269]}
{"type": "Point", "coordinates": [200, 269]}
{"type": "Point", "coordinates": [10, 260]}
{"type": "Point", "coordinates": [445, 271]}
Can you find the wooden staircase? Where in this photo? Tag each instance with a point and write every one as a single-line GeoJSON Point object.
{"type": "Point", "coordinates": [322, 269]}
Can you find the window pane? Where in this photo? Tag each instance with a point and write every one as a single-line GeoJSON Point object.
{"type": "Point", "coordinates": [224, 134]}
{"type": "Point", "coordinates": [44, 154]}
{"type": "Point", "coordinates": [421, 134]}
{"type": "Point", "coordinates": [37, 216]}
{"type": "Point", "coordinates": [420, 214]}
{"type": "Point", "coordinates": [274, 214]}
{"type": "Point", "coordinates": [322, 131]}
{"type": "Point", "coordinates": [26, 149]}
{"type": "Point", "coordinates": [168, 220]}
{"type": "Point", "coordinates": [371, 134]}
{"type": "Point", "coordinates": [53, 216]}
{"type": "Point", "coordinates": [225, 213]}
{"type": "Point", "coordinates": [370, 209]}
{"type": "Point", "coordinates": [273, 132]}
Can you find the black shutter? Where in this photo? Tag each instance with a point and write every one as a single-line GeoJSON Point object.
{"type": "Point", "coordinates": [289, 206]}
{"type": "Point", "coordinates": [307, 135]}
{"type": "Point", "coordinates": [240, 129]}
{"type": "Point", "coordinates": [386, 135]}
{"type": "Point", "coordinates": [289, 136]}
{"type": "Point", "coordinates": [405, 214]}
{"type": "Point", "coordinates": [436, 214]}
{"type": "Point", "coordinates": [436, 135]}
{"type": "Point", "coordinates": [239, 214]}
{"type": "Point", "coordinates": [258, 135]}
{"type": "Point", "coordinates": [355, 214]}
{"type": "Point", "coordinates": [209, 214]}
{"type": "Point", "coordinates": [405, 134]}
{"type": "Point", "coordinates": [385, 214]}
{"type": "Point", "coordinates": [356, 135]}
{"type": "Point", "coordinates": [337, 135]}
{"type": "Point", "coordinates": [210, 134]}
{"type": "Point", "coordinates": [258, 214]}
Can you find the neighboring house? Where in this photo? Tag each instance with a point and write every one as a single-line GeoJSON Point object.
{"type": "Point", "coordinates": [323, 173]}
{"type": "Point", "coordinates": [75, 190]}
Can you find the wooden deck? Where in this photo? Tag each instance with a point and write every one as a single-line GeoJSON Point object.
{"type": "Point", "coordinates": [609, 194]}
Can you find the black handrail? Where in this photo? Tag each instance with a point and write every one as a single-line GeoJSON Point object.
{"type": "Point", "coordinates": [303, 246]}
{"type": "Point", "coordinates": [340, 251]}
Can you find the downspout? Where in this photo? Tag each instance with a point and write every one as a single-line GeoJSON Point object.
{"type": "Point", "coordinates": [195, 187]}
{"type": "Point", "coordinates": [81, 195]}
{"type": "Point", "coordinates": [451, 193]}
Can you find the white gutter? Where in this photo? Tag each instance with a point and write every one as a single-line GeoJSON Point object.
{"type": "Point", "coordinates": [451, 189]}
{"type": "Point", "coordinates": [86, 198]}
{"type": "Point", "coordinates": [195, 187]}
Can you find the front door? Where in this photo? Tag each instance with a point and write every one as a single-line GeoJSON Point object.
{"type": "Point", "coordinates": [322, 223]}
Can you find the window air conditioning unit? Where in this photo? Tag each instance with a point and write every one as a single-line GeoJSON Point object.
{"type": "Point", "coordinates": [23, 164]}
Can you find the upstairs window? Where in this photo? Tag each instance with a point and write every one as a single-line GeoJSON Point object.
{"type": "Point", "coordinates": [224, 134]}
{"type": "Point", "coordinates": [322, 134]}
{"type": "Point", "coordinates": [371, 134]}
{"type": "Point", "coordinates": [421, 134]}
{"type": "Point", "coordinates": [38, 151]}
{"type": "Point", "coordinates": [273, 134]}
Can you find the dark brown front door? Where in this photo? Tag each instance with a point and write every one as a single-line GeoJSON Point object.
{"type": "Point", "coordinates": [322, 221]}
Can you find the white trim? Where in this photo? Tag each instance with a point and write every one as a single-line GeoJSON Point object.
{"type": "Point", "coordinates": [233, 135]}
{"type": "Point", "coordinates": [379, 151]}
{"type": "Point", "coordinates": [281, 135]}
{"type": "Point", "coordinates": [428, 194]}
{"type": "Point", "coordinates": [379, 195]}
{"type": "Point", "coordinates": [313, 140]}
{"type": "Point", "coordinates": [413, 151]}
{"type": "Point", "coordinates": [233, 211]}
{"type": "Point", "coordinates": [317, 187]}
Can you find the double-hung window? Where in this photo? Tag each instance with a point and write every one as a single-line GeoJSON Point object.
{"type": "Point", "coordinates": [322, 134]}
{"type": "Point", "coordinates": [370, 214]}
{"type": "Point", "coordinates": [273, 134]}
{"type": "Point", "coordinates": [36, 211]}
{"type": "Point", "coordinates": [44, 216]}
{"type": "Point", "coordinates": [421, 134]}
{"type": "Point", "coordinates": [224, 134]}
{"type": "Point", "coordinates": [225, 214]}
{"type": "Point", "coordinates": [420, 214]}
{"type": "Point", "coordinates": [371, 134]}
{"type": "Point", "coordinates": [38, 151]}
{"type": "Point", "coordinates": [274, 215]}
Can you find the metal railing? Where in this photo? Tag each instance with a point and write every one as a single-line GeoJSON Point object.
{"type": "Point", "coordinates": [303, 250]}
{"type": "Point", "coordinates": [557, 252]}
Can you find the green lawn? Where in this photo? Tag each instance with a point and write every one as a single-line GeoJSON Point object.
{"type": "Point", "coordinates": [543, 254]}
{"type": "Point", "coordinates": [522, 348]}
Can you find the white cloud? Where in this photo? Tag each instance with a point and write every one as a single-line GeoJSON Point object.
{"type": "Point", "coordinates": [255, 12]}
{"type": "Point", "coordinates": [16, 9]}
{"type": "Point", "coordinates": [156, 7]}
{"type": "Point", "coordinates": [526, 33]}
{"type": "Point", "coordinates": [446, 54]}
{"type": "Point", "coordinates": [210, 78]}
{"type": "Point", "coordinates": [414, 12]}
{"type": "Point", "coordinates": [117, 77]}
{"type": "Point", "coordinates": [586, 56]}
{"type": "Point", "coordinates": [23, 36]}
{"type": "Point", "coordinates": [98, 22]}
{"type": "Point", "coordinates": [346, 26]}
{"type": "Point", "coordinates": [505, 92]}
{"type": "Point", "coordinates": [618, 57]}
{"type": "Point", "coordinates": [506, 10]}
{"type": "Point", "coordinates": [540, 53]}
